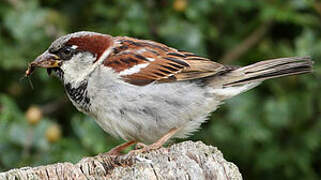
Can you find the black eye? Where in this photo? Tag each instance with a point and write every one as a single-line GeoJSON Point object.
{"type": "Point", "coordinates": [66, 53]}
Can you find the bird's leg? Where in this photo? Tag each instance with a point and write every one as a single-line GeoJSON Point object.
{"type": "Point", "coordinates": [140, 145]}
{"type": "Point", "coordinates": [117, 150]}
{"type": "Point", "coordinates": [159, 143]}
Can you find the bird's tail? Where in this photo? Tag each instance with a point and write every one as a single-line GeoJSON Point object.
{"type": "Point", "coordinates": [247, 77]}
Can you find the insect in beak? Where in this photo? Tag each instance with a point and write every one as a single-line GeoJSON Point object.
{"type": "Point", "coordinates": [45, 60]}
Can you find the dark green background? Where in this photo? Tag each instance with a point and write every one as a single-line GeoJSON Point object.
{"type": "Point", "coordinates": [271, 132]}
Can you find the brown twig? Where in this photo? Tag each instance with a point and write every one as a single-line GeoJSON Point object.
{"type": "Point", "coordinates": [247, 44]}
{"type": "Point", "coordinates": [152, 22]}
{"type": "Point", "coordinates": [317, 7]}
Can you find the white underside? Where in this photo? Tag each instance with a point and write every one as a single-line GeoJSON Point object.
{"type": "Point", "coordinates": [145, 113]}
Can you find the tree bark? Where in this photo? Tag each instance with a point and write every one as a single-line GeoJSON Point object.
{"type": "Point", "coordinates": [186, 160]}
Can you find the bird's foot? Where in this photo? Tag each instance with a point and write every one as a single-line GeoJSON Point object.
{"type": "Point", "coordinates": [140, 145]}
{"type": "Point", "coordinates": [142, 148]}
{"type": "Point", "coordinates": [116, 151]}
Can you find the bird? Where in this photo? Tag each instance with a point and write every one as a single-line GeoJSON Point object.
{"type": "Point", "coordinates": [145, 92]}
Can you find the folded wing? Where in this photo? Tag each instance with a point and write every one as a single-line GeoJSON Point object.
{"type": "Point", "coordinates": [141, 62]}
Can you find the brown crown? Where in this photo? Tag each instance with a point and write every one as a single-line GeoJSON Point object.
{"type": "Point", "coordinates": [96, 44]}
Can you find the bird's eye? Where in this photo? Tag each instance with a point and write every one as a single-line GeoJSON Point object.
{"type": "Point", "coordinates": [66, 53]}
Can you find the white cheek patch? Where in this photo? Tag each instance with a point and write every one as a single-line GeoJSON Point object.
{"type": "Point", "coordinates": [103, 57]}
{"type": "Point", "coordinates": [77, 68]}
{"type": "Point", "coordinates": [133, 70]}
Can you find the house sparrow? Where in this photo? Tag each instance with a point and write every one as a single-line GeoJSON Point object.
{"type": "Point", "coordinates": [144, 91]}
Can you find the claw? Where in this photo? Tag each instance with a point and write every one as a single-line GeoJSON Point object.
{"type": "Point", "coordinates": [140, 145]}
{"type": "Point", "coordinates": [158, 144]}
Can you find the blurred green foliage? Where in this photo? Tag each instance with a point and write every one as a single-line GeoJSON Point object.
{"type": "Point", "coordinates": [272, 132]}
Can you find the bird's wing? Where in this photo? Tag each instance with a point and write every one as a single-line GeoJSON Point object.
{"type": "Point", "coordinates": [141, 62]}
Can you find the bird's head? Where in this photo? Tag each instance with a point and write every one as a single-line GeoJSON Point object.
{"type": "Point", "coordinates": [74, 56]}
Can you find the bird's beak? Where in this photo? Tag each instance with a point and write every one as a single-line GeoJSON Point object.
{"type": "Point", "coordinates": [45, 60]}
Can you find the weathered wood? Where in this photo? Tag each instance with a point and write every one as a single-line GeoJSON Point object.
{"type": "Point", "coordinates": [186, 160]}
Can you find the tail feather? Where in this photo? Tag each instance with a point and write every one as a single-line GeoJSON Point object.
{"type": "Point", "coordinates": [268, 69]}
{"type": "Point", "coordinates": [239, 80]}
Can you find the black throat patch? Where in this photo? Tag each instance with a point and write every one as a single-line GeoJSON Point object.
{"type": "Point", "coordinates": [79, 95]}
{"type": "Point", "coordinates": [59, 73]}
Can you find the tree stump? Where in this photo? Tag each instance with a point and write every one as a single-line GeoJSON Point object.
{"type": "Point", "coordinates": [186, 160]}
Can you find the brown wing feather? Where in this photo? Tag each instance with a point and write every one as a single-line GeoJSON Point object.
{"type": "Point", "coordinates": [163, 64]}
